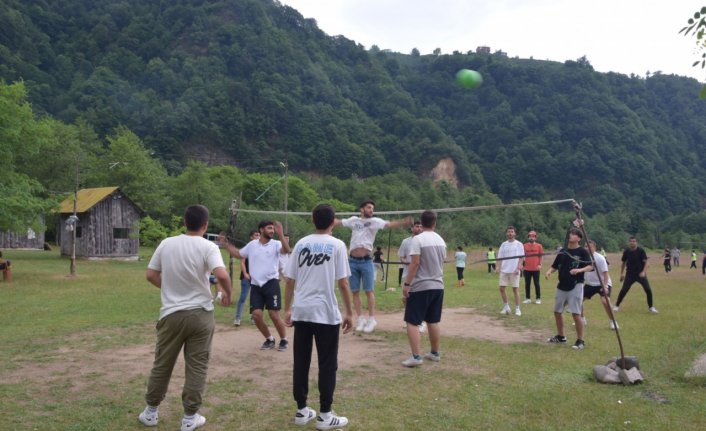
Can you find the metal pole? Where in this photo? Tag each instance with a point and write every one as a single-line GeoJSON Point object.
{"type": "Point", "coordinates": [72, 267]}
{"type": "Point", "coordinates": [286, 196]}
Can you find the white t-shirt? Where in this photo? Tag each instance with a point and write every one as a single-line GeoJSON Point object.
{"type": "Point", "coordinates": [364, 231]}
{"type": "Point", "coordinates": [402, 252]}
{"type": "Point", "coordinates": [185, 262]}
{"type": "Point", "coordinates": [460, 259]}
{"type": "Point", "coordinates": [591, 278]}
{"type": "Point", "coordinates": [263, 260]}
{"type": "Point", "coordinates": [507, 249]}
{"type": "Point", "coordinates": [431, 249]}
{"type": "Point", "coordinates": [317, 263]}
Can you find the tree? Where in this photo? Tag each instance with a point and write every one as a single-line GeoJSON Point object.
{"type": "Point", "coordinates": [22, 198]}
{"type": "Point", "coordinates": [696, 27]}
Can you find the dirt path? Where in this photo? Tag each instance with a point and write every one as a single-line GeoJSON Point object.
{"type": "Point", "coordinates": [236, 351]}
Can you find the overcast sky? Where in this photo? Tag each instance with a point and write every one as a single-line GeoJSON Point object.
{"type": "Point", "coordinates": [625, 36]}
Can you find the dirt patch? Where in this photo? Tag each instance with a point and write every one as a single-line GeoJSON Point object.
{"type": "Point", "coordinates": [698, 368]}
{"type": "Point", "coordinates": [236, 353]}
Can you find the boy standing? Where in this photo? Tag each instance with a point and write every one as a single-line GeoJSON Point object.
{"type": "Point", "coordinates": [571, 262]}
{"type": "Point", "coordinates": [318, 262]}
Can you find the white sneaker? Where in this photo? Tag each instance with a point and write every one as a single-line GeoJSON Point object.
{"type": "Point", "coordinates": [505, 310]}
{"type": "Point", "coordinates": [433, 357]}
{"type": "Point", "coordinates": [331, 422]}
{"type": "Point", "coordinates": [148, 418]}
{"type": "Point", "coordinates": [614, 326]}
{"type": "Point", "coordinates": [527, 301]}
{"type": "Point", "coordinates": [653, 310]}
{"type": "Point", "coordinates": [304, 415]}
{"type": "Point", "coordinates": [423, 328]}
{"type": "Point", "coordinates": [538, 301]}
{"type": "Point", "coordinates": [517, 311]}
{"type": "Point", "coordinates": [191, 424]}
{"type": "Point", "coordinates": [236, 322]}
{"type": "Point", "coordinates": [370, 326]}
{"type": "Point", "coordinates": [360, 325]}
{"type": "Point", "coordinates": [219, 296]}
{"type": "Point", "coordinates": [616, 308]}
{"type": "Point", "coordinates": [412, 362]}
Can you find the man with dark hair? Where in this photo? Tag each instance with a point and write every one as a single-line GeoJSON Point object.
{"type": "Point", "coordinates": [533, 266]}
{"type": "Point", "coordinates": [263, 258]}
{"type": "Point", "coordinates": [364, 229]}
{"type": "Point", "coordinates": [511, 257]}
{"type": "Point", "coordinates": [318, 263]}
{"type": "Point", "coordinates": [571, 262]}
{"type": "Point", "coordinates": [244, 282]}
{"type": "Point", "coordinates": [180, 268]}
{"type": "Point", "coordinates": [635, 261]}
{"type": "Point", "coordinates": [423, 291]}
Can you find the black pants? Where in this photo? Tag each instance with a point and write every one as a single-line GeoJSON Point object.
{"type": "Point", "coordinates": [628, 282]}
{"type": "Point", "coordinates": [399, 277]}
{"type": "Point", "coordinates": [491, 267]}
{"type": "Point", "coordinates": [529, 276]}
{"type": "Point", "coordinates": [326, 337]}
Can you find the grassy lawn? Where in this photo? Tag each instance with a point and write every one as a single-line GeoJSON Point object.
{"type": "Point", "coordinates": [47, 319]}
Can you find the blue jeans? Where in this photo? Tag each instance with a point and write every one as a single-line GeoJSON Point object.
{"type": "Point", "coordinates": [244, 291]}
{"type": "Point", "coordinates": [361, 270]}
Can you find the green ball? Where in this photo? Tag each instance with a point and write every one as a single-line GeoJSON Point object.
{"type": "Point", "coordinates": [468, 78]}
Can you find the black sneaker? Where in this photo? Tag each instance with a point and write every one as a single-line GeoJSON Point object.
{"type": "Point", "coordinates": [579, 345]}
{"type": "Point", "coordinates": [282, 345]}
{"type": "Point", "coordinates": [557, 339]}
{"type": "Point", "coordinates": [268, 344]}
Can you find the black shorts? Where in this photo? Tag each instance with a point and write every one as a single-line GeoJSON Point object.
{"type": "Point", "coordinates": [268, 296]}
{"type": "Point", "coordinates": [589, 291]}
{"type": "Point", "coordinates": [424, 306]}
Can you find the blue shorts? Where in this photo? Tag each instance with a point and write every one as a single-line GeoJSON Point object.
{"type": "Point", "coordinates": [268, 296]}
{"type": "Point", "coordinates": [362, 270]}
{"type": "Point", "coordinates": [424, 306]}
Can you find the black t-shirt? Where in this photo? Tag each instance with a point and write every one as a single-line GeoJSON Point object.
{"type": "Point", "coordinates": [377, 256]}
{"type": "Point", "coordinates": [247, 268]}
{"type": "Point", "coordinates": [634, 261]}
{"type": "Point", "coordinates": [565, 261]}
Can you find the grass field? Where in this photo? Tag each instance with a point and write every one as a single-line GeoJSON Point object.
{"type": "Point", "coordinates": [51, 325]}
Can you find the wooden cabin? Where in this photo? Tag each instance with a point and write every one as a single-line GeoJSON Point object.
{"type": "Point", "coordinates": [28, 240]}
{"type": "Point", "coordinates": [107, 226]}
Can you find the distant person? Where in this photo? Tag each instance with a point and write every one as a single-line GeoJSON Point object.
{"type": "Point", "coordinates": [571, 262]}
{"type": "Point", "coordinates": [533, 265]}
{"type": "Point", "coordinates": [511, 255]}
{"type": "Point", "coordinates": [634, 269]}
{"type": "Point", "coordinates": [592, 283]}
{"type": "Point", "coordinates": [6, 268]}
{"type": "Point", "coordinates": [263, 257]}
{"type": "Point", "coordinates": [423, 292]}
{"type": "Point", "coordinates": [244, 282]}
{"type": "Point", "coordinates": [379, 260]}
{"type": "Point", "coordinates": [703, 264]}
{"type": "Point", "coordinates": [693, 259]}
{"type": "Point", "coordinates": [460, 257]}
{"type": "Point", "coordinates": [676, 253]}
{"type": "Point", "coordinates": [180, 267]}
{"type": "Point", "coordinates": [490, 256]}
{"type": "Point", "coordinates": [319, 262]}
{"type": "Point", "coordinates": [667, 260]}
{"type": "Point", "coordinates": [403, 251]}
{"type": "Point", "coordinates": [364, 229]}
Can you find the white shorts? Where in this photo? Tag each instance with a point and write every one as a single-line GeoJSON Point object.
{"type": "Point", "coordinates": [572, 299]}
{"type": "Point", "coordinates": [510, 279]}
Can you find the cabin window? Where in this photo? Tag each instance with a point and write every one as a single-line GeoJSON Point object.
{"type": "Point", "coordinates": [121, 233]}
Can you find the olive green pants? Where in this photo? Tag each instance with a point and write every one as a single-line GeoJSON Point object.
{"type": "Point", "coordinates": [192, 330]}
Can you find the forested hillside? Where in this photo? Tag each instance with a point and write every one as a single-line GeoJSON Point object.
{"type": "Point", "coordinates": [242, 82]}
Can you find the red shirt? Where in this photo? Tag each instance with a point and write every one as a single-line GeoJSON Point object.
{"type": "Point", "coordinates": [532, 262]}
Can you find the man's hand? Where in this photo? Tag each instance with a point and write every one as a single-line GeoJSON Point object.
{"type": "Point", "coordinates": [278, 229]}
{"type": "Point", "coordinates": [226, 300]}
{"type": "Point", "coordinates": [347, 324]}
{"type": "Point", "coordinates": [288, 319]}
